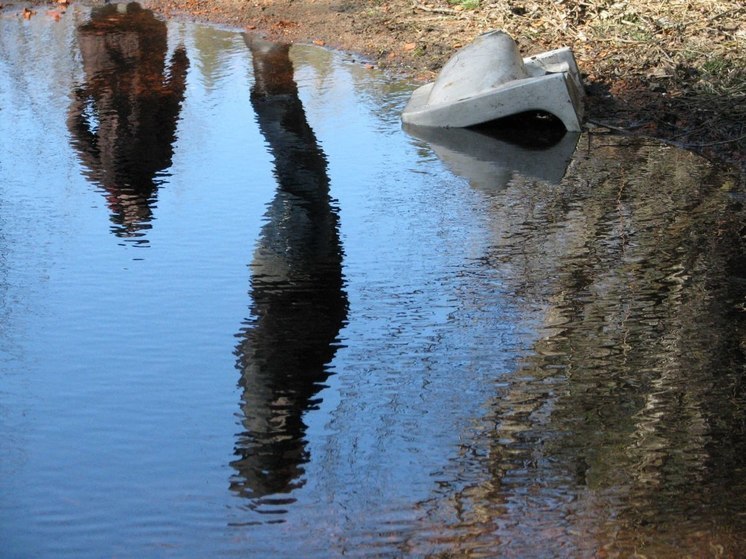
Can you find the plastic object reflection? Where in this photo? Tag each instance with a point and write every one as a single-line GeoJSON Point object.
{"type": "Point", "coordinates": [488, 156]}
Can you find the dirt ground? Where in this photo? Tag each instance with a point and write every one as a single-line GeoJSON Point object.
{"type": "Point", "coordinates": [673, 70]}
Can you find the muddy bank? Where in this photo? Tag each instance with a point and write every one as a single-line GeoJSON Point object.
{"type": "Point", "coordinates": [674, 71]}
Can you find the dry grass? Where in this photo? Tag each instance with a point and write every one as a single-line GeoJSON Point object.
{"type": "Point", "coordinates": [675, 69]}
{"type": "Point", "coordinates": [672, 69]}
{"type": "Point", "coordinates": [624, 39]}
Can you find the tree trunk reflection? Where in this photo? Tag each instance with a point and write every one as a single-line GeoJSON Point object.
{"type": "Point", "coordinates": [623, 431]}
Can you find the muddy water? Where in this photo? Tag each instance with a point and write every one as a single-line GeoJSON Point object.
{"type": "Point", "coordinates": [244, 313]}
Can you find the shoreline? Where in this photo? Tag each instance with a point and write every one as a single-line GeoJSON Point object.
{"type": "Point", "coordinates": [673, 72]}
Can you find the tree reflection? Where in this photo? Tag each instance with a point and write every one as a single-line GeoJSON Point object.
{"type": "Point", "coordinates": [123, 118]}
{"type": "Point", "coordinates": [298, 301]}
{"type": "Point", "coordinates": [623, 431]}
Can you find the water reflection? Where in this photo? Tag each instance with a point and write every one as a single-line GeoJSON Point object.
{"type": "Point", "coordinates": [535, 369]}
{"type": "Point", "coordinates": [123, 118]}
{"type": "Point", "coordinates": [624, 432]}
{"type": "Point", "coordinates": [488, 158]}
{"type": "Point", "coordinates": [298, 301]}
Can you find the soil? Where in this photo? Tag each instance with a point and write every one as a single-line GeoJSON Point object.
{"type": "Point", "coordinates": [645, 66]}
{"type": "Point", "coordinates": [673, 70]}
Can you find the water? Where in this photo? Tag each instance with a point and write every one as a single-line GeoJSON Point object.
{"type": "Point", "coordinates": [245, 314]}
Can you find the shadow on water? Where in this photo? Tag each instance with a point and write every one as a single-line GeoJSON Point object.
{"type": "Point", "coordinates": [624, 431]}
{"type": "Point", "coordinates": [298, 301]}
{"type": "Point", "coordinates": [123, 118]}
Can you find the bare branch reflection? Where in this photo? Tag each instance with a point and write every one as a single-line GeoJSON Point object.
{"type": "Point", "coordinates": [298, 301]}
{"type": "Point", "coordinates": [123, 118]}
{"type": "Point", "coordinates": [620, 434]}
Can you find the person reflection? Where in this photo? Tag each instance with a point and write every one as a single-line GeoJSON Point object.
{"type": "Point", "coordinates": [298, 300]}
{"type": "Point", "coordinates": [123, 117]}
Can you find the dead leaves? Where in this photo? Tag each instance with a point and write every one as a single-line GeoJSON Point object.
{"type": "Point", "coordinates": [55, 14]}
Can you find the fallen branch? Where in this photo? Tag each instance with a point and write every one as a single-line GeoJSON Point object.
{"type": "Point", "coordinates": [434, 10]}
{"type": "Point", "coordinates": [720, 143]}
{"type": "Point", "coordinates": [627, 130]}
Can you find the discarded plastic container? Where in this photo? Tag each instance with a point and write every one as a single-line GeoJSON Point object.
{"type": "Point", "coordinates": [488, 79]}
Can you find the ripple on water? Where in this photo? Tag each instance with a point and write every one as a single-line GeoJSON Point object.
{"type": "Point", "coordinates": [244, 312]}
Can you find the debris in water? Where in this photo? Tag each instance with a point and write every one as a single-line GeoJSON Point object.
{"type": "Point", "coordinates": [488, 80]}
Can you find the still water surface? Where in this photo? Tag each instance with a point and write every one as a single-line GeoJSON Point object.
{"type": "Point", "coordinates": [245, 314]}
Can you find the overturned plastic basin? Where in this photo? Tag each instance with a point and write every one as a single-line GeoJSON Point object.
{"type": "Point", "coordinates": [488, 80]}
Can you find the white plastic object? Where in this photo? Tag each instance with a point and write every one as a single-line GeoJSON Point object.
{"type": "Point", "coordinates": [488, 79]}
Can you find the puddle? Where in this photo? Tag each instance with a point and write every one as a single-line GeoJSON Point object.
{"type": "Point", "coordinates": [245, 313]}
